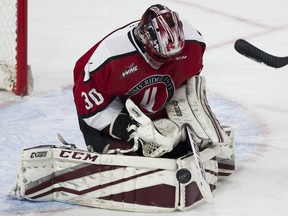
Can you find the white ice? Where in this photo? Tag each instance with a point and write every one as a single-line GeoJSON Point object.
{"type": "Point", "coordinates": [250, 97]}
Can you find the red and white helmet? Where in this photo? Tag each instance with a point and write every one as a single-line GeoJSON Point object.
{"type": "Point", "coordinates": [161, 32]}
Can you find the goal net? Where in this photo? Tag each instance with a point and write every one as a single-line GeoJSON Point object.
{"type": "Point", "coordinates": [13, 46]}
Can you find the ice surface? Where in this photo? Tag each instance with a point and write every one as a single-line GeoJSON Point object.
{"type": "Point", "coordinates": [250, 97]}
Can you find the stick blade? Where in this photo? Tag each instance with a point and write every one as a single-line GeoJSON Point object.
{"type": "Point", "coordinates": [200, 176]}
{"type": "Point", "coordinates": [246, 49]}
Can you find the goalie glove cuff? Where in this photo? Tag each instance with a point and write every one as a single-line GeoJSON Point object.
{"type": "Point", "coordinates": [122, 127]}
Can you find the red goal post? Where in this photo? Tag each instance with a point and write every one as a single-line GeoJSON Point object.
{"type": "Point", "coordinates": [13, 46]}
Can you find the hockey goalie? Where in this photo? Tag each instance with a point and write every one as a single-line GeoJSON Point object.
{"type": "Point", "coordinates": [120, 179]}
{"type": "Point", "coordinates": [153, 142]}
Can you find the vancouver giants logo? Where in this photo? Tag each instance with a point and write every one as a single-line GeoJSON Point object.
{"type": "Point", "coordinates": [153, 92]}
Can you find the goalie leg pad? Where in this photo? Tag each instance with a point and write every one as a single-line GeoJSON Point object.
{"type": "Point", "coordinates": [190, 105]}
{"type": "Point", "coordinates": [179, 111]}
{"type": "Point", "coordinates": [129, 183]}
{"type": "Point", "coordinates": [196, 96]}
{"type": "Point", "coordinates": [226, 157]}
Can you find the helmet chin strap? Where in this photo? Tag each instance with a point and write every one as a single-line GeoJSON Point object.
{"type": "Point", "coordinates": [140, 42]}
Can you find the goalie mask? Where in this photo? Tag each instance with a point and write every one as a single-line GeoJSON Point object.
{"type": "Point", "coordinates": [161, 32]}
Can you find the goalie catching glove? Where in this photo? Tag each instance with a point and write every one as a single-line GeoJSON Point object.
{"type": "Point", "coordinates": [157, 137]}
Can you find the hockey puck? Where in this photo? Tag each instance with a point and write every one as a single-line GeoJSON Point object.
{"type": "Point", "coordinates": [183, 176]}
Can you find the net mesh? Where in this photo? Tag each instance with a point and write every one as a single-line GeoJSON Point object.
{"type": "Point", "coordinates": [8, 37]}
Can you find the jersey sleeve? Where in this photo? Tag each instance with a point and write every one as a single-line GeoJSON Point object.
{"type": "Point", "coordinates": [96, 78]}
{"type": "Point", "coordinates": [93, 102]}
{"type": "Point", "coordinates": [195, 46]}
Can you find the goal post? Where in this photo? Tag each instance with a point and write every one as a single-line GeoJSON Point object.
{"type": "Point", "coordinates": [21, 87]}
{"type": "Point", "coordinates": [14, 67]}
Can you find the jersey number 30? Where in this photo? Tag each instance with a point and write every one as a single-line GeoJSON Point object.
{"type": "Point", "coordinates": [92, 98]}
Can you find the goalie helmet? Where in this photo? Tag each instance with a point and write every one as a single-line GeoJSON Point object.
{"type": "Point", "coordinates": [161, 32]}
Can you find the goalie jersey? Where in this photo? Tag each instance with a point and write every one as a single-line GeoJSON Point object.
{"type": "Point", "coordinates": [114, 70]}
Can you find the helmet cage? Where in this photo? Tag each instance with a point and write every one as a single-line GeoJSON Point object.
{"type": "Point", "coordinates": [163, 36]}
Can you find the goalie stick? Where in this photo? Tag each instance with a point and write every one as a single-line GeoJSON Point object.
{"type": "Point", "coordinates": [63, 141]}
{"type": "Point", "coordinates": [245, 48]}
{"type": "Point", "coordinates": [200, 175]}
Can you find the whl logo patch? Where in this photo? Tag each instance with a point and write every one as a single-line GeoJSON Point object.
{"type": "Point", "coordinates": [129, 70]}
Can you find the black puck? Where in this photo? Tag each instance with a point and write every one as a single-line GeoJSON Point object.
{"type": "Point", "coordinates": [183, 175]}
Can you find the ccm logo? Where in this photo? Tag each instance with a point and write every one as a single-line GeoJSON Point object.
{"type": "Point", "coordinates": [78, 155]}
{"type": "Point", "coordinates": [38, 154]}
